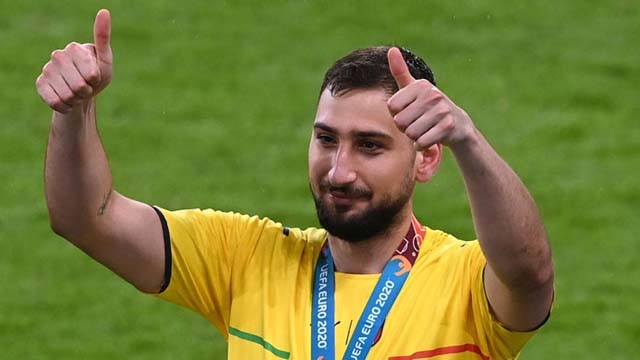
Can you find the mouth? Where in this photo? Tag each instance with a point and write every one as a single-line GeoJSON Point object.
{"type": "Point", "coordinates": [341, 196]}
{"type": "Point", "coordinates": [344, 199]}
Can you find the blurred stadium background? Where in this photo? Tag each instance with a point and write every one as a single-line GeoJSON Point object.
{"type": "Point", "coordinates": [211, 106]}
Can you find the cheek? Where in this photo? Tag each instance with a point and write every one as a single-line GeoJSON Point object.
{"type": "Point", "coordinates": [389, 179]}
{"type": "Point", "coordinates": [319, 162]}
{"type": "Point", "coordinates": [316, 169]}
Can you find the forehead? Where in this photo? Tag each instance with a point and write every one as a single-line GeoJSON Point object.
{"type": "Point", "coordinates": [356, 111]}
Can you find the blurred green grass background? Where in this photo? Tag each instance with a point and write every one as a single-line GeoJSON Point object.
{"type": "Point", "coordinates": [211, 106]}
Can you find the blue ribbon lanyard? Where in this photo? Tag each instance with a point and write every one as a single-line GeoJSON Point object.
{"type": "Point", "coordinates": [322, 312]}
{"type": "Point", "coordinates": [384, 294]}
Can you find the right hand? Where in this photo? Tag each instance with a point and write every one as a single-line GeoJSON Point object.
{"type": "Point", "coordinates": [79, 72]}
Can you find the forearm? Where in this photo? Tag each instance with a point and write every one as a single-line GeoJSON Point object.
{"type": "Point", "coordinates": [123, 234]}
{"type": "Point", "coordinates": [506, 219]}
{"type": "Point", "coordinates": [78, 181]}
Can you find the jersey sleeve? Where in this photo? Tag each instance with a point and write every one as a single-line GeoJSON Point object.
{"type": "Point", "coordinates": [201, 249]}
{"type": "Point", "coordinates": [502, 342]}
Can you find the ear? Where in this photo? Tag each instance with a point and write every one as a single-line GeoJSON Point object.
{"type": "Point", "coordinates": [427, 162]}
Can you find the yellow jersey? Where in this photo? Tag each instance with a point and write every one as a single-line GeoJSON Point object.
{"type": "Point", "coordinates": [252, 279]}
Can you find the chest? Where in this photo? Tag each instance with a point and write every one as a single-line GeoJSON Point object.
{"type": "Point", "coordinates": [431, 314]}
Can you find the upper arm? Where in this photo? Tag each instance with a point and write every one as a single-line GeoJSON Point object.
{"type": "Point", "coordinates": [127, 238]}
{"type": "Point", "coordinates": [210, 252]}
{"type": "Point", "coordinates": [521, 309]}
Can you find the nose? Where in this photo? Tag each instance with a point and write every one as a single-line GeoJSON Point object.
{"type": "Point", "coordinates": [342, 170]}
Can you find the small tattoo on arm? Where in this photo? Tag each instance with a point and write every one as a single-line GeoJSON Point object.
{"type": "Point", "coordinates": [105, 201]}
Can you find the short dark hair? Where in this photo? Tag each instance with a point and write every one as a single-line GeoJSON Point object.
{"type": "Point", "coordinates": [369, 68]}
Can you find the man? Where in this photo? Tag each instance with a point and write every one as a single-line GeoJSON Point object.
{"type": "Point", "coordinates": [375, 284]}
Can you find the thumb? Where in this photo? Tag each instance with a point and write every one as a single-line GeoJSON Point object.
{"type": "Point", "coordinates": [102, 36]}
{"type": "Point", "coordinates": [399, 68]}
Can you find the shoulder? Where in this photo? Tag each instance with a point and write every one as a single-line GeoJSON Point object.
{"type": "Point", "coordinates": [441, 243]}
{"type": "Point", "coordinates": [312, 235]}
{"type": "Point", "coordinates": [443, 252]}
{"type": "Point", "coordinates": [229, 224]}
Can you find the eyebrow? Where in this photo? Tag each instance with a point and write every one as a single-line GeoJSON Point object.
{"type": "Point", "coordinates": [358, 134]}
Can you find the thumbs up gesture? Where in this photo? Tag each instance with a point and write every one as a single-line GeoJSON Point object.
{"type": "Point", "coordinates": [79, 72]}
{"type": "Point", "coordinates": [423, 112]}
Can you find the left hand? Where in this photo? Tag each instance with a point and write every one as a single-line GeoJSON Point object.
{"type": "Point", "coordinates": [423, 112]}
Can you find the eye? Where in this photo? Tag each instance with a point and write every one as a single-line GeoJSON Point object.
{"type": "Point", "coordinates": [326, 139]}
{"type": "Point", "coordinates": [370, 146]}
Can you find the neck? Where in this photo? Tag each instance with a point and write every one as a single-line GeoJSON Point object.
{"type": "Point", "coordinates": [371, 255]}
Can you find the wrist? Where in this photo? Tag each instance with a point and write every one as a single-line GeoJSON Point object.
{"type": "Point", "coordinates": [469, 138]}
{"type": "Point", "coordinates": [80, 116]}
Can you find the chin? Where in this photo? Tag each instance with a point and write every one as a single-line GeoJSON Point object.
{"type": "Point", "coordinates": [357, 225]}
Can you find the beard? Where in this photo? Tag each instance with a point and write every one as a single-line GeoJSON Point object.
{"type": "Point", "coordinates": [372, 221]}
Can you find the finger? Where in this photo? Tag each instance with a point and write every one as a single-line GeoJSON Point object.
{"type": "Point", "coordinates": [410, 114]}
{"type": "Point", "coordinates": [61, 87]}
{"type": "Point", "coordinates": [102, 36]}
{"type": "Point", "coordinates": [84, 59]}
{"type": "Point", "coordinates": [419, 103]}
{"type": "Point", "coordinates": [400, 100]}
{"type": "Point", "coordinates": [71, 75]}
{"type": "Point", "coordinates": [420, 89]}
{"type": "Point", "coordinates": [49, 96]}
{"type": "Point", "coordinates": [399, 68]}
{"type": "Point", "coordinates": [438, 134]}
{"type": "Point", "coordinates": [426, 122]}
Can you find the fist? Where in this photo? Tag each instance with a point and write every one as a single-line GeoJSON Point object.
{"type": "Point", "coordinates": [423, 112]}
{"type": "Point", "coordinates": [78, 72]}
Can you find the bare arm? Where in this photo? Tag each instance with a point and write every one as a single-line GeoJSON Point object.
{"type": "Point", "coordinates": [519, 273]}
{"type": "Point", "coordinates": [123, 234]}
